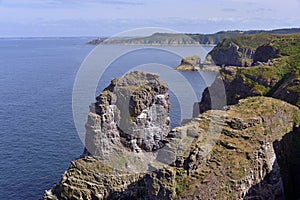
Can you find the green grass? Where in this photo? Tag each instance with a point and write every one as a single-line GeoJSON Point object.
{"type": "Point", "coordinates": [247, 41]}
{"type": "Point", "coordinates": [183, 185]}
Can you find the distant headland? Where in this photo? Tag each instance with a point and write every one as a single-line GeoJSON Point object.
{"type": "Point", "coordinates": [187, 38]}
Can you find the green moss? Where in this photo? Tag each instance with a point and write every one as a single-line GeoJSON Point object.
{"type": "Point", "coordinates": [267, 131]}
{"type": "Point", "coordinates": [297, 117]}
{"type": "Point", "coordinates": [183, 185]}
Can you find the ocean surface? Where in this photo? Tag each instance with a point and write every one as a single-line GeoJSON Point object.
{"type": "Point", "coordinates": [37, 130]}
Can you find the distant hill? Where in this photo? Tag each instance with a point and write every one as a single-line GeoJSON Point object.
{"type": "Point", "coordinates": [188, 38]}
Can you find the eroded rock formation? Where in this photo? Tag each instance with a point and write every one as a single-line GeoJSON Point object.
{"type": "Point", "coordinates": [132, 113]}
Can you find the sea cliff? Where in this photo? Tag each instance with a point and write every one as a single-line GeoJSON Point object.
{"type": "Point", "coordinates": [243, 152]}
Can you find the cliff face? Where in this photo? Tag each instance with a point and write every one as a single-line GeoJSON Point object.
{"type": "Point", "coordinates": [217, 155]}
{"type": "Point", "coordinates": [229, 53]}
{"type": "Point", "coordinates": [264, 53]}
{"type": "Point", "coordinates": [242, 83]}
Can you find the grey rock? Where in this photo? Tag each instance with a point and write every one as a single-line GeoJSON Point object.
{"type": "Point", "coordinates": [264, 53]}
{"type": "Point", "coordinates": [132, 112]}
{"type": "Point", "coordinates": [230, 54]}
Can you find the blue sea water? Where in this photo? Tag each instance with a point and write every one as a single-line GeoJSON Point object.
{"type": "Point", "coordinates": [37, 131]}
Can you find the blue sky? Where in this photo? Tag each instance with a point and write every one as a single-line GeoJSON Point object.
{"type": "Point", "coordinates": [108, 17]}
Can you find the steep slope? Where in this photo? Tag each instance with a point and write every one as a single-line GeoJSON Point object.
{"type": "Point", "coordinates": [217, 155]}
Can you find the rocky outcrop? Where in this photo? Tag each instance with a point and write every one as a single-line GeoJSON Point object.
{"type": "Point", "coordinates": [220, 155]}
{"type": "Point", "coordinates": [132, 112]}
{"type": "Point", "coordinates": [192, 63]}
{"type": "Point", "coordinates": [228, 53]}
{"type": "Point", "coordinates": [245, 155]}
{"type": "Point", "coordinates": [242, 83]}
{"type": "Point", "coordinates": [289, 89]}
{"type": "Point", "coordinates": [265, 53]}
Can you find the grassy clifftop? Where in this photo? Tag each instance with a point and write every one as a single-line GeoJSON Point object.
{"type": "Point", "coordinates": [247, 41]}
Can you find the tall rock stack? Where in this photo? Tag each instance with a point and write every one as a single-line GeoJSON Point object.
{"type": "Point", "coordinates": [131, 114]}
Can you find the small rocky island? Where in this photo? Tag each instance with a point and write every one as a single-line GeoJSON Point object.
{"type": "Point", "coordinates": [249, 149]}
{"type": "Point", "coordinates": [192, 63]}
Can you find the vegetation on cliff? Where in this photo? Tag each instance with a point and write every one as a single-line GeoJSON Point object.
{"type": "Point", "coordinates": [274, 72]}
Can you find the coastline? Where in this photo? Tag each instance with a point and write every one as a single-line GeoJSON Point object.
{"type": "Point", "coordinates": [175, 45]}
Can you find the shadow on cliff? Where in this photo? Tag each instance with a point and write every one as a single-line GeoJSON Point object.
{"type": "Point", "coordinates": [285, 175]}
{"type": "Point", "coordinates": [136, 190]}
{"type": "Point", "coordinates": [270, 188]}
{"type": "Point", "coordinates": [148, 187]}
